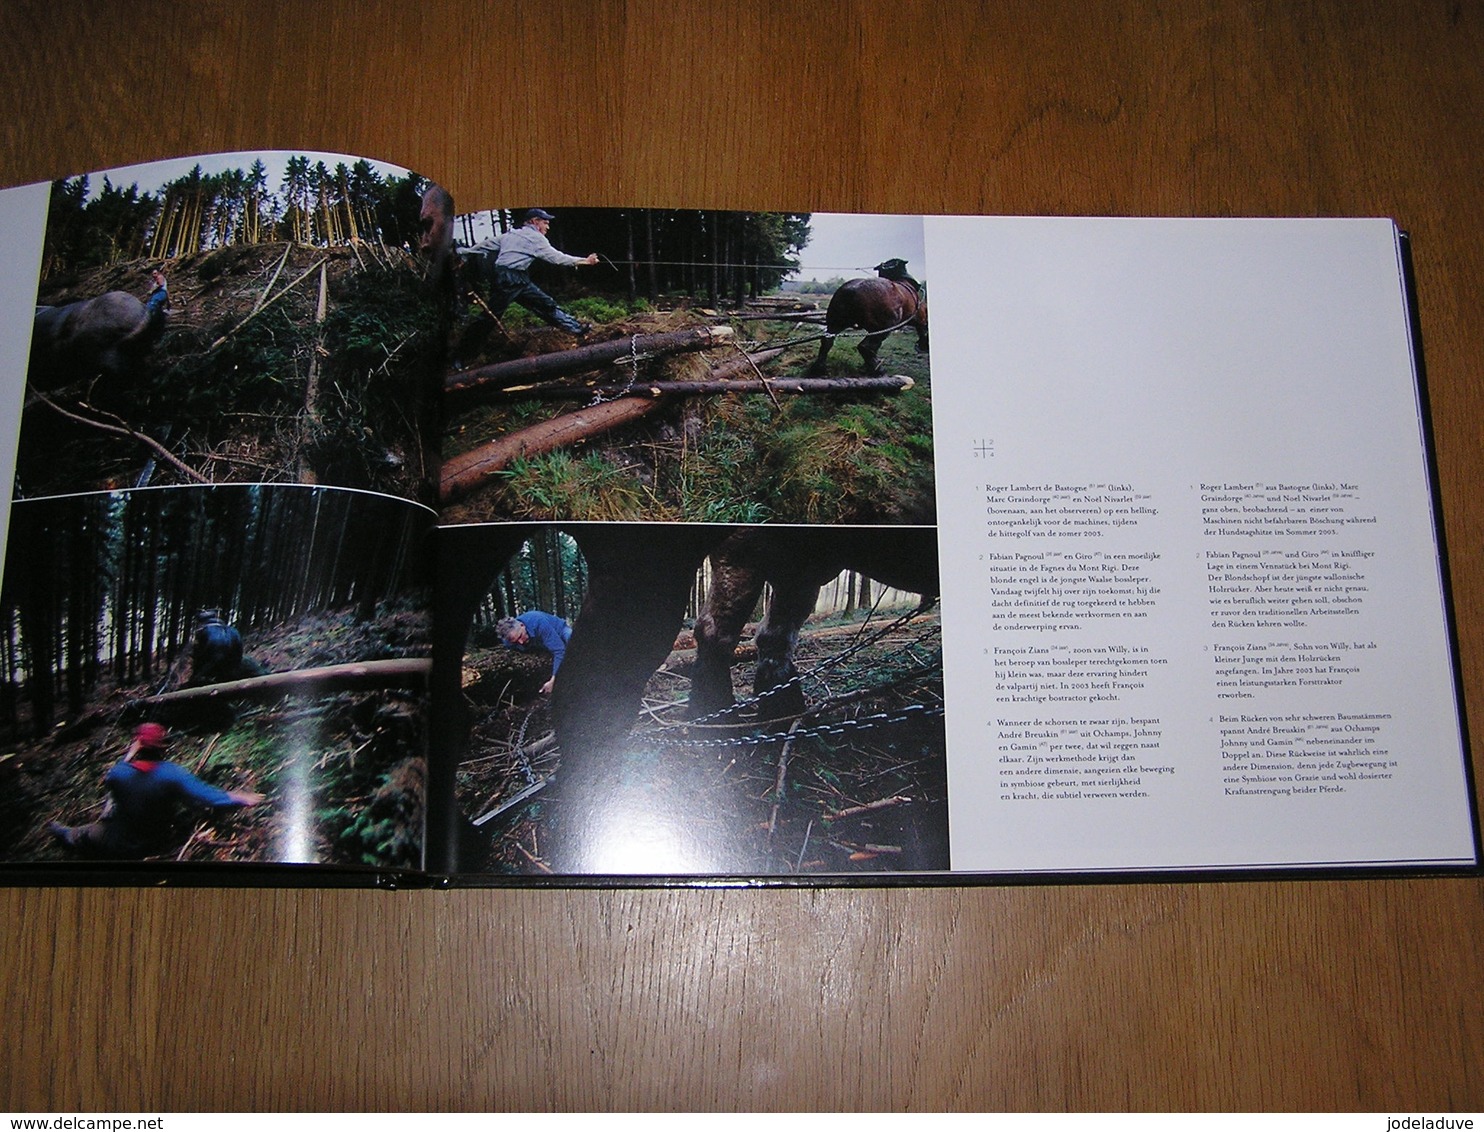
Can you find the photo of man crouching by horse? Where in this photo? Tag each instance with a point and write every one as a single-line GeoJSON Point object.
{"type": "Point", "coordinates": [750, 700]}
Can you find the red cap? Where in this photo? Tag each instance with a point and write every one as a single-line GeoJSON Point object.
{"type": "Point", "coordinates": [150, 735]}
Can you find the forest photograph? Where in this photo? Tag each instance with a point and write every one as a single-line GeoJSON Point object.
{"type": "Point", "coordinates": [838, 766]}
{"type": "Point", "coordinates": [687, 366]}
{"type": "Point", "coordinates": [249, 317]}
{"type": "Point", "coordinates": [221, 674]}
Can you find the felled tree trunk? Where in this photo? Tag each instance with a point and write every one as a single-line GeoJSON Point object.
{"type": "Point", "coordinates": [780, 316]}
{"type": "Point", "coordinates": [462, 474]}
{"type": "Point", "coordinates": [332, 678]}
{"type": "Point", "coordinates": [309, 431]}
{"type": "Point", "coordinates": [584, 358]}
{"type": "Point", "coordinates": [714, 382]}
{"type": "Point", "coordinates": [814, 385]}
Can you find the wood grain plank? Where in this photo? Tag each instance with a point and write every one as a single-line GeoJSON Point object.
{"type": "Point", "coordinates": [1288, 995]}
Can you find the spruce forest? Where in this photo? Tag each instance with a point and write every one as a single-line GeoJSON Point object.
{"type": "Point", "coordinates": [298, 343]}
{"type": "Point", "coordinates": [100, 601]}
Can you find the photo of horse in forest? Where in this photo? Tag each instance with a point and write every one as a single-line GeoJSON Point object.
{"type": "Point", "coordinates": [257, 317]}
{"type": "Point", "coordinates": [675, 365]}
{"type": "Point", "coordinates": [691, 699]}
{"type": "Point", "coordinates": [229, 674]}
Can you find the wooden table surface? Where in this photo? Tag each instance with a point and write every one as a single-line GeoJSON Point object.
{"type": "Point", "coordinates": [1245, 995]}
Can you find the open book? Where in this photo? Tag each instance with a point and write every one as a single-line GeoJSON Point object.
{"type": "Point", "coordinates": [358, 538]}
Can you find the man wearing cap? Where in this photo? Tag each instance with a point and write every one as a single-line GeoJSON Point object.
{"type": "Point", "coordinates": [145, 795]}
{"type": "Point", "coordinates": [507, 260]}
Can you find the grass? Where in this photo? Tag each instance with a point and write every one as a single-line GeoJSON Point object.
{"type": "Point", "coordinates": [560, 485]}
{"type": "Point", "coordinates": [729, 459]}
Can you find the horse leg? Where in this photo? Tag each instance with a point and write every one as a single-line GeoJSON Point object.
{"type": "Point", "coordinates": [871, 346]}
{"type": "Point", "coordinates": [639, 579]}
{"type": "Point", "coordinates": [775, 682]}
{"type": "Point", "coordinates": [733, 596]}
{"type": "Point", "coordinates": [818, 368]}
{"type": "Point", "coordinates": [468, 560]}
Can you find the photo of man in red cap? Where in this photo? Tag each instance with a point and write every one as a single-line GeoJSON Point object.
{"type": "Point", "coordinates": [146, 794]}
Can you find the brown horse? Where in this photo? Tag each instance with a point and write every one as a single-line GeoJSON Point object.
{"type": "Point", "coordinates": [878, 306]}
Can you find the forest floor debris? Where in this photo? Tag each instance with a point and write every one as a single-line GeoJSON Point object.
{"type": "Point", "coordinates": [343, 774]}
{"type": "Point", "coordinates": [224, 389]}
{"type": "Point", "coordinates": [861, 458]}
{"type": "Point", "coordinates": [870, 799]}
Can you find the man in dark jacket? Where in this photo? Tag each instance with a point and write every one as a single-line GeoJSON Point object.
{"type": "Point", "coordinates": [216, 650]}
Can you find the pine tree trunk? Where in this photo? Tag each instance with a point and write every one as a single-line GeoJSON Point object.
{"type": "Point", "coordinates": [310, 433]}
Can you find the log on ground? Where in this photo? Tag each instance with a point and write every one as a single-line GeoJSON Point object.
{"type": "Point", "coordinates": [465, 472]}
{"type": "Point", "coordinates": [815, 385]}
{"type": "Point", "coordinates": [712, 383]}
{"type": "Point", "coordinates": [407, 673]}
{"type": "Point", "coordinates": [470, 470]}
{"type": "Point", "coordinates": [584, 358]}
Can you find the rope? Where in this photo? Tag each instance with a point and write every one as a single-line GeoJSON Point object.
{"type": "Point", "coordinates": [470, 249]}
{"type": "Point", "coordinates": [788, 343]}
{"type": "Point", "coordinates": [722, 263]}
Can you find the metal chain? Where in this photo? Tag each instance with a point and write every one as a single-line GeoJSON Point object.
{"type": "Point", "coordinates": [520, 748]}
{"type": "Point", "coordinates": [819, 731]}
{"type": "Point", "coordinates": [901, 680]}
{"type": "Point", "coordinates": [632, 361]}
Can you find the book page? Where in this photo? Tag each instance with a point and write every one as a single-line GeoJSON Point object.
{"type": "Point", "coordinates": [1136, 570]}
{"type": "Point", "coordinates": [22, 226]}
{"type": "Point", "coordinates": [688, 551]}
{"type": "Point", "coordinates": [216, 572]}
{"type": "Point", "coordinates": [1192, 605]}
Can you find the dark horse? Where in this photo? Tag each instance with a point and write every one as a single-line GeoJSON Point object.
{"type": "Point", "coordinates": [796, 562]}
{"type": "Point", "coordinates": [108, 335]}
{"type": "Point", "coordinates": [878, 306]}
{"type": "Point", "coordinates": [639, 580]}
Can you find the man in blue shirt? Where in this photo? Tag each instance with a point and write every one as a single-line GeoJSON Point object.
{"type": "Point", "coordinates": [537, 630]}
{"type": "Point", "coordinates": [145, 795]}
{"type": "Point", "coordinates": [507, 260]}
